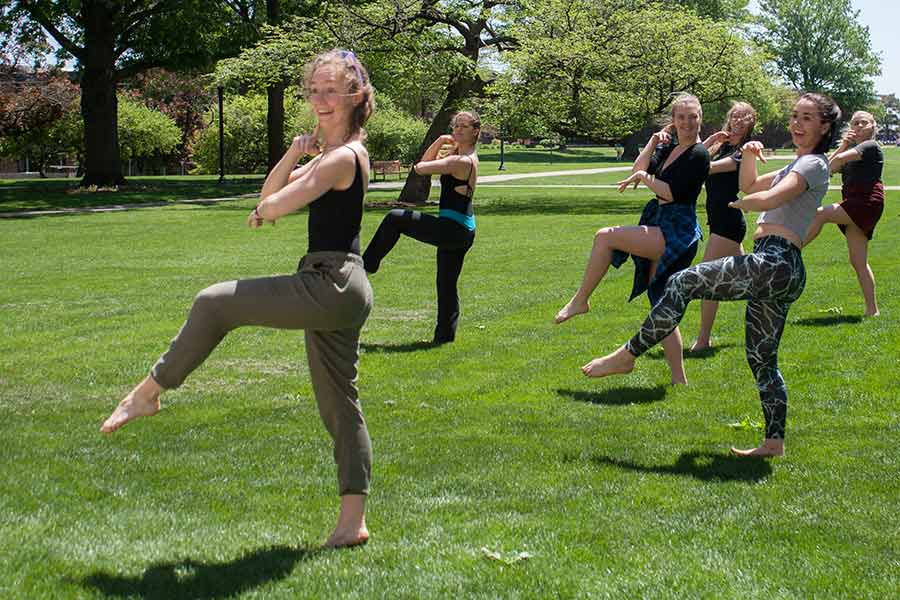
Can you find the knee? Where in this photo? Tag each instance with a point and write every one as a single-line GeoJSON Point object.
{"type": "Point", "coordinates": [603, 236]}
{"type": "Point", "coordinates": [207, 299]}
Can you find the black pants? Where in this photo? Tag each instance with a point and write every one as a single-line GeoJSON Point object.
{"type": "Point", "coordinates": [770, 279]}
{"type": "Point", "coordinates": [452, 241]}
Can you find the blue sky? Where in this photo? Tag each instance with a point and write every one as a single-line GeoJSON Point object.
{"type": "Point", "coordinates": [882, 17]}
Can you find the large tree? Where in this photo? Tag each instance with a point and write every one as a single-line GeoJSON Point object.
{"type": "Point", "coordinates": [605, 70]}
{"type": "Point", "coordinates": [112, 41]}
{"type": "Point", "coordinates": [454, 33]}
{"type": "Point", "coordinates": [820, 45]}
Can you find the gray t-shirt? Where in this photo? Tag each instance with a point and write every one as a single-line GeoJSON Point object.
{"type": "Point", "coordinates": [869, 166]}
{"type": "Point", "coordinates": [797, 214]}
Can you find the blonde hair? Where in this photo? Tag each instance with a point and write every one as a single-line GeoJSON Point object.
{"type": "Point", "coordinates": [681, 99]}
{"type": "Point", "coordinates": [356, 80]}
{"type": "Point", "coordinates": [476, 120]}
{"type": "Point", "coordinates": [871, 117]}
{"type": "Point", "coordinates": [736, 107]}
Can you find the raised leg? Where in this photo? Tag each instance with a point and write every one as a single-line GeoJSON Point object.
{"type": "Point", "coordinates": [412, 223]}
{"type": "Point", "coordinates": [832, 213]}
{"type": "Point", "coordinates": [647, 242]}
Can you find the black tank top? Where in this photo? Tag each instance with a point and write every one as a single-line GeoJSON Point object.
{"type": "Point", "coordinates": [454, 200]}
{"type": "Point", "coordinates": [722, 188]}
{"type": "Point", "coordinates": [335, 217]}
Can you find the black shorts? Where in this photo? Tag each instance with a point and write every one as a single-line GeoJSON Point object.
{"type": "Point", "coordinates": [726, 221]}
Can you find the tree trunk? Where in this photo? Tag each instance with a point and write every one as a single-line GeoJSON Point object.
{"type": "Point", "coordinates": [275, 123]}
{"type": "Point", "coordinates": [275, 94]}
{"type": "Point", "coordinates": [632, 143]}
{"type": "Point", "coordinates": [418, 187]}
{"type": "Point", "coordinates": [98, 99]}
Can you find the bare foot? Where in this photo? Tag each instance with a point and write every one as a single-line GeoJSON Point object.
{"type": "Point", "coordinates": [700, 345]}
{"type": "Point", "coordinates": [142, 401]}
{"type": "Point", "coordinates": [876, 313]}
{"type": "Point", "coordinates": [770, 447]}
{"type": "Point", "coordinates": [679, 379]}
{"type": "Point", "coordinates": [351, 526]}
{"type": "Point", "coordinates": [571, 309]}
{"type": "Point", "coordinates": [347, 539]}
{"type": "Point", "coordinates": [619, 362]}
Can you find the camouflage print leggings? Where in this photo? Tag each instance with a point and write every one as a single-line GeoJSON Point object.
{"type": "Point", "coordinates": [770, 279]}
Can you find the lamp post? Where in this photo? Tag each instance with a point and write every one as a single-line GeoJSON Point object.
{"type": "Point", "coordinates": [221, 92]}
{"type": "Point", "coordinates": [502, 167]}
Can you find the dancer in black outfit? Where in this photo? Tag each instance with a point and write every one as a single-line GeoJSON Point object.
{"type": "Point", "coordinates": [452, 231]}
{"type": "Point", "coordinates": [727, 226]}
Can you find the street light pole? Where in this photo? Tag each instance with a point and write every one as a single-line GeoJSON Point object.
{"type": "Point", "coordinates": [221, 91]}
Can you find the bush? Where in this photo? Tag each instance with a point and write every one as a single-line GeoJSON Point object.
{"type": "Point", "coordinates": [394, 135]}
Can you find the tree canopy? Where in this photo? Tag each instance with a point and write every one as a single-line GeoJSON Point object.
{"type": "Point", "coordinates": [820, 46]}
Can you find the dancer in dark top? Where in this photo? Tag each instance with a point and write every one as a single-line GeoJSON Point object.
{"type": "Point", "coordinates": [860, 161]}
{"type": "Point", "coordinates": [452, 231]}
{"type": "Point", "coordinates": [727, 226]}
{"type": "Point", "coordinates": [673, 165]}
{"type": "Point", "coordinates": [329, 296]}
{"type": "Point", "coordinates": [770, 278]}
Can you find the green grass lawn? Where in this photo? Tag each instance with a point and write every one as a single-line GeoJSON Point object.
{"type": "Point", "coordinates": [617, 488]}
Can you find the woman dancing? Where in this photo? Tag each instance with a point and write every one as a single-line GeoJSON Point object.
{"type": "Point", "coordinates": [727, 226]}
{"type": "Point", "coordinates": [863, 195]}
{"type": "Point", "coordinates": [770, 278]}
{"type": "Point", "coordinates": [329, 296]}
{"type": "Point", "coordinates": [452, 231]}
{"type": "Point", "coordinates": [666, 238]}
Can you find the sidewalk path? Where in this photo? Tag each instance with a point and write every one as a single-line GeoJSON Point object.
{"type": "Point", "coordinates": [397, 185]}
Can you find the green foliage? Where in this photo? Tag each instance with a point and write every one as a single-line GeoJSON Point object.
{"type": "Point", "coordinates": [145, 132]}
{"type": "Point", "coordinates": [394, 135]}
{"type": "Point", "coordinates": [279, 56]}
{"type": "Point", "coordinates": [246, 148]}
{"type": "Point", "coordinates": [820, 46]}
{"type": "Point", "coordinates": [603, 69]}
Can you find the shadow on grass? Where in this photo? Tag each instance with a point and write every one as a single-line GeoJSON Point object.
{"type": "Point", "coordinates": [617, 396]}
{"type": "Point", "coordinates": [686, 353]}
{"type": "Point", "coordinates": [706, 466]}
{"type": "Point", "coordinates": [407, 347]}
{"type": "Point", "coordinates": [828, 321]}
{"type": "Point", "coordinates": [190, 579]}
{"type": "Point", "coordinates": [549, 202]}
{"type": "Point", "coordinates": [64, 194]}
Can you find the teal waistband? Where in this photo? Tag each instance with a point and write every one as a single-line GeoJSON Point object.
{"type": "Point", "coordinates": [467, 221]}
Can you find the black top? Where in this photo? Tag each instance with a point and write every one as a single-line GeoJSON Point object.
{"type": "Point", "coordinates": [335, 217]}
{"type": "Point", "coordinates": [685, 175]}
{"type": "Point", "coordinates": [452, 199]}
{"type": "Point", "coordinates": [724, 186]}
{"type": "Point", "coordinates": [868, 168]}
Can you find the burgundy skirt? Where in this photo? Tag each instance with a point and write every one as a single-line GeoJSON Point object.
{"type": "Point", "coordinates": [863, 203]}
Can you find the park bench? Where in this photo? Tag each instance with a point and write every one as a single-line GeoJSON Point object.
{"type": "Point", "coordinates": [385, 168]}
{"type": "Point", "coordinates": [768, 151]}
